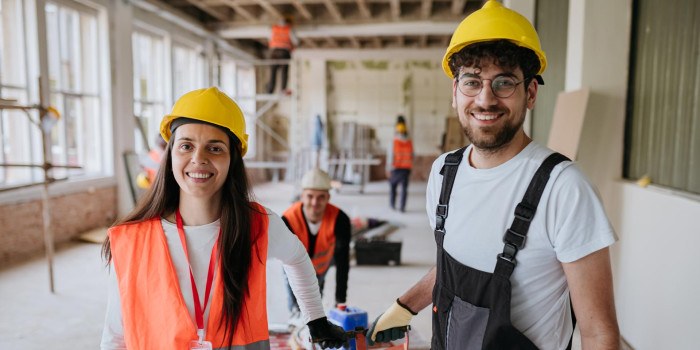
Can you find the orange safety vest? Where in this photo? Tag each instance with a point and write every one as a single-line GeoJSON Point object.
{"type": "Point", "coordinates": [154, 313]}
{"type": "Point", "coordinates": [280, 37]}
{"type": "Point", "coordinates": [403, 154]}
{"type": "Point", "coordinates": [325, 239]}
{"type": "Point", "coordinates": [155, 156]}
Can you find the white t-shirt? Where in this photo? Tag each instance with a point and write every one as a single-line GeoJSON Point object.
{"type": "Point", "coordinates": [569, 224]}
{"type": "Point", "coordinates": [282, 244]}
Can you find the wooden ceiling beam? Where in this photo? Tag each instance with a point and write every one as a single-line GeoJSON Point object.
{"type": "Point", "coordinates": [270, 9]}
{"type": "Point", "coordinates": [333, 10]}
{"type": "Point", "coordinates": [355, 43]}
{"type": "Point", "coordinates": [395, 6]}
{"type": "Point", "coordinates": [364, 9]}
{"type": "Point", "coordinates": [458, 6]}
{"type": "Point", "coordinates": [426, 8]}
{"type": "Point", "coordinates": [240, 10]}
{"type": "Point", "coordinates": [302, 9]}
{"type": "Point", "coordinates": [208, 10]}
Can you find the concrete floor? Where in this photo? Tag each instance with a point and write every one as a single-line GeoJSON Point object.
{"type": "Point", "coordinates": [33, 318]}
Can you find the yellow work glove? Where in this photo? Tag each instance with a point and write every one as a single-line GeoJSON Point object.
{"type": "Point", "coordinates": [385, 327]}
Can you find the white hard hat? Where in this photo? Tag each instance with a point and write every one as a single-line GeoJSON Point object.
{"type": "Point", "coordinates": [316, 179]}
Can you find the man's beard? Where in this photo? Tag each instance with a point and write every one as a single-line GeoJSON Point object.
{"type": "Point", "coordinates": [489, 141]}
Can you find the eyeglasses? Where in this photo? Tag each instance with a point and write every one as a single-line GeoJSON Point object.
{"type": "Point", "coordinates": [502, 87]}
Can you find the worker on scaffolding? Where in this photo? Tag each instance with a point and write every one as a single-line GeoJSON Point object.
{"type": "Point", "coordinates": [281, 43]}
{"type": "Point", "coordinates": [197, 237]}
{"type": "Point", "coordinates": [324, 230]}
{"type": "Point", "coordinates": [399, 161]}
{"type": "Point", "coordinates": [483, 296]}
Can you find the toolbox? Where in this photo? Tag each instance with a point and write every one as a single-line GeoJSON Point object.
{"type": "Point", "coordinates": [349, 318]}
{"type": "Point", "coordinates": [378, 252]}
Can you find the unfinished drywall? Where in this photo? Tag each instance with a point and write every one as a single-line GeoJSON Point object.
{"type": "Point", "coordinates": [22, 227]}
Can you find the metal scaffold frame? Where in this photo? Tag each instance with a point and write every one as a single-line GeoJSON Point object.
{"type": "Point", "coordinates": [45, 123]}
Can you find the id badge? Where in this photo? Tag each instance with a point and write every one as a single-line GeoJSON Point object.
{"type": "Point", "coordinates": [200, 345]}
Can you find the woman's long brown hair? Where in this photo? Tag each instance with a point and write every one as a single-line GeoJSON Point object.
{"type": "Point", "coordinates": [235, 242]}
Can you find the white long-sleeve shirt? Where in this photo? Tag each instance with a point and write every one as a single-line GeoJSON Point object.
{"type": "Point", "coordinates": [282, 244]}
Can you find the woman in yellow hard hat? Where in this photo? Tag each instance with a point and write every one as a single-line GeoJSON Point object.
{"type": "Point", "coordinates": [188, 263]}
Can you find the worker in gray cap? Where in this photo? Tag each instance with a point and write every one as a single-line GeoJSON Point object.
{"type": "Point", "coordinates": [324, 230]}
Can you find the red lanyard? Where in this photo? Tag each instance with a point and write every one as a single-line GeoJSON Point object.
{"type": "Point", "coordinates": [198, 309]}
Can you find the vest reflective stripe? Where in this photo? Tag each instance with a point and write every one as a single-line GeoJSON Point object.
{"type": "Point", "coordinates": [325, 239]}
{"type": "Point", "coordinates": [280, 37]}
{"type": "Point", "coordinates": [403, 154]}
{"type": "Point", "coordinates": [154, 312]}
{"type": "Point", "coordinates": [259, 345]}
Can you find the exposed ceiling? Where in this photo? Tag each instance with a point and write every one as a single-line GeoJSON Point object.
{"type": "Point", "coordinates": [355, 24]}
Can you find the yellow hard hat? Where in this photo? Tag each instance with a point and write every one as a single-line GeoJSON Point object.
{"type": "Point", "coordinates": [401, 127]}
{"type": "Point", "coordinates": [212, 106]}
{"type": "Point", "coordinates": [142, 181]}
{"type": "Point", "coordinates": [494, 22]}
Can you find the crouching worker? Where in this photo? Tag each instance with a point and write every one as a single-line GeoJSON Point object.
{"type": "Point", "coordinates": [324, 230]}
{"type": "Point", "coordinates": [188, 264]}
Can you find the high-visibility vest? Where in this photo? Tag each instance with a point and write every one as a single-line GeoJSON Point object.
{"type": "Point", "coordinates": [325, 239]}
{"type": "Point", "coordinates": [155, 156]}
{"type": "Point", "coordinates": [280, 37]}
{"type": "Point", "coordinates": [154, 313]}
{"type": "Point", "coordinates": [403, 154]}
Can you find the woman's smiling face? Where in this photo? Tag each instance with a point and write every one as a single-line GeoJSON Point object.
{"type": "Point", "coordinates": [201, 156]}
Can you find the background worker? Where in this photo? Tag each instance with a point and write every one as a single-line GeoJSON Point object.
{"type": "Point", "coordinates": [486, 297]}
{"type": "Point", "coordinates": [281, 43]}
{"type": "Point", "coordinates": [188, 263]}
{"type": "Point", "coordinates": [324, 230]}
{"type": "Point", "coordinates": [150, 163]}
{"type": "Point", "coordinates": [399, 161]}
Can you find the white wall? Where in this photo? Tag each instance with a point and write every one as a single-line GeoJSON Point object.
{"type": "Point", "coordinates": [654, 262]}
{"type": "Point", "coordinates": [372, 87]}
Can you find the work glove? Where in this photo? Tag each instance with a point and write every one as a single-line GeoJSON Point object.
{"type": "Point", "coordinates": [327, 334]}
{"type": "Point", "coordinates": [385, 327]}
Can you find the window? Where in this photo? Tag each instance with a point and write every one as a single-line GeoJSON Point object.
{"type": "Point", "coordinates": [149, 87]}
{"type": "Point", "coordinates": [663, 125]}
{"type": "Point", "coordinates": [75, 63]}
{"type": "Point", "coordinates": [20, 141]}
{"type": "Point", "coordinates": [188, 70]}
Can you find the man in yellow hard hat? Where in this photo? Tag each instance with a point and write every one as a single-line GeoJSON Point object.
{"type": "Point", "coordinates": [519, 289]}
{"type": "Point", "coordinates": [324, 229]}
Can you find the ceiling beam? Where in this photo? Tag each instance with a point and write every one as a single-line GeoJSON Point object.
{"type": "Point", "coordinates": [355, 43]}
{"type": "Point", "coordinates": [333, 10]}
{"type": "Point", "coordinates": [364, 9]}
{"type": "Point", "coordinates": [270, 9]}
{"type": "Point", "coordinates": [302, 9]}
{"type": "Point", "coordinates": [458, 6]}
{"type": "Point", "coordinates": [426, 8]}
{"type": "Point", "coordinates": [395, 6]}
{"type": "Point", "coordinates": [210, 11]}
{"type": "Point", "coordinates": [309, 42]}
{"type": "Point", "coordinates": [240, 10]}
{"type": "Point", "coordinates": [331, 42]}
{"type": "Point", "coordinates": [345, 30]}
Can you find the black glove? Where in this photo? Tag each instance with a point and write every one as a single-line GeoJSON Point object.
{"type": "Point", "coordinates": [327, 334]}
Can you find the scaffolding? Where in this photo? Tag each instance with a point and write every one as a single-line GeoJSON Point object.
{"type": "Point", "coordinates": [46, 121]}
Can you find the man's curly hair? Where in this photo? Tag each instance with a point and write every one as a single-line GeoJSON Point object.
{"type": "Point", "coordinates": [504, 53]}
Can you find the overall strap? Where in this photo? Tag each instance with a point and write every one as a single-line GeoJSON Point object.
{"type": "Point", "coordinates": [515, 237]}
{"type": "Point", "coordinates": [448, 172]}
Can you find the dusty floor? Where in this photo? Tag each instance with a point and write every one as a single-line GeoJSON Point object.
{"type": "Point", "coordinates": [33, 318]}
